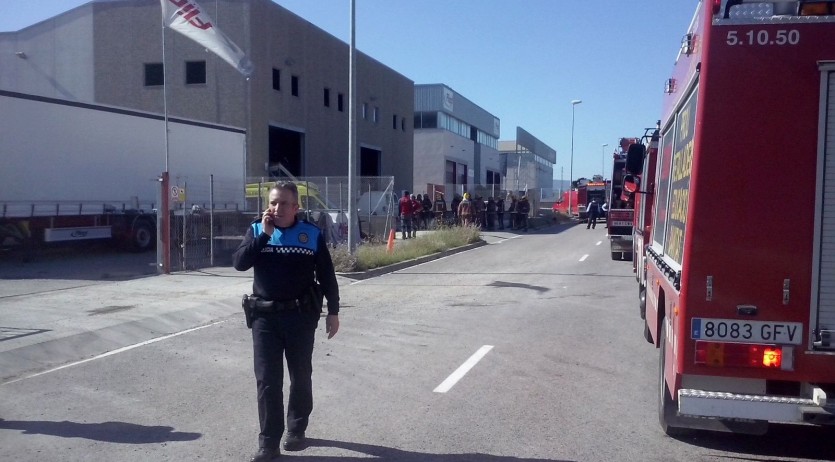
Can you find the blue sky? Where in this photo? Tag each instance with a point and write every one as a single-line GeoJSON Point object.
{"type": "Point", "coordinates": [524, 61]}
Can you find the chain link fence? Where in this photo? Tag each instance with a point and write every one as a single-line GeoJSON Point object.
{"type": "Point", "coordinates": [209, 218]}
{"type": "Point", "coordinates": [208, 221]}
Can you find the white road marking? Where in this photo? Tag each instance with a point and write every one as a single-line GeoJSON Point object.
{"type": "Point", "coordinates": [110, 353]}
{"type": "Point", "coordinates": [459, 373]}
{"type": "Point", "coordinates": [583, 258]}
{"type": "Point", "coordinates": [507, 239]}
{"type": "Point", "coordinates": [599, 242]}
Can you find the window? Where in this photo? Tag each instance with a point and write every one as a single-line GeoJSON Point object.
{"type": "Point", "coordinates": [276, 79]}
{"type": "Point", "coordinates": [340, 102]}
{"type": "Point", "coordinates": [426, 120]}
{"type": "Point", "coordinates": [449, 176]}
{"type": "Point", "coordinates": [394, 121]}
{"type": "Point", "coordinates": [403, 124]}
{"type": "Point", "coordinates": [327, 97]}
{"type": "Point", "coordinates": [195, 72]}
{"type": "Point", "coordinates": [294, 85]}
{"type": "Point", "coordinates": [375, 116]}
{"type": "Point", "coordinates": [154, 74]}
{"type": "Point", "coordinates": [494, 177]}
{"type": "Point", "coordinates": [455, 173]}
{"type": "Point", "coordinates": [364, 111]}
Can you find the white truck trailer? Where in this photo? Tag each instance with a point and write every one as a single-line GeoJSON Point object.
{"type": "Point", "coordinates": [75, 171]}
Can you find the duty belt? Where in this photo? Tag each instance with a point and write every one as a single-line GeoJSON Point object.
{"type": "Point", "coordinates": [277, 305]}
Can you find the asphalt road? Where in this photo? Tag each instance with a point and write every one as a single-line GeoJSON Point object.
{"type": "Point", "coordinates": [160, 367]}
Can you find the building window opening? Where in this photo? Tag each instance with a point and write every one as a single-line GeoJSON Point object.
{"type": "Point", "coordinates": [195, 72]}
{"type": "Point", "coordinates": [276, 79]}
{"type": "Point", "coordinates": [286, 147]}
{"type": "Point", "coordinates": [340, 102]}
{"type": "Point", "coordinates": [154, 74]}
{"type": "Point", "coordinates": [370, 162]}
{"type": "Point", "coordinates": [294, 85]}
{"type": "Point", "coordinates": [327, 97]}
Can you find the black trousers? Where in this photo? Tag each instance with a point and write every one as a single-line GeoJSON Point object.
{"type": "Point", "coordinates": [287, 334]}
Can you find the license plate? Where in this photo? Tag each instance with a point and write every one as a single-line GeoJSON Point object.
{"type": "Point", "coordinates": [621, 223]}
{"type": "Point", "coordinates": [734, 330]}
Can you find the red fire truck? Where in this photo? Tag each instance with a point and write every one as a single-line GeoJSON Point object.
{"type": "Point", "coordinates": [740, 298]}
{"type": "Point", "coordinates": [621, 205]}
{"type": "Point", "coordinates": [640, 183]}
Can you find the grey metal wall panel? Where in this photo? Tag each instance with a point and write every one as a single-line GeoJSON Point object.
{"type": "Point", "coordinates": [439, 97]}
{"type": "Point", "coordinates": [533, 144]}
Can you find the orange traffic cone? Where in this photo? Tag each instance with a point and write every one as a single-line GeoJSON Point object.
{"type": "Point", "coordinates": [390, 244]}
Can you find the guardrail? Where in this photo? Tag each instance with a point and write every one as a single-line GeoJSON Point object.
{"type": "Point", "coordinates": [31, 209]}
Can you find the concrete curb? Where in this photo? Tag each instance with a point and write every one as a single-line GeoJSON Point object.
{"type": "Point", "coordinates": [374, 272]}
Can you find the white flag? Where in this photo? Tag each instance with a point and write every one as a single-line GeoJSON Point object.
{"type": "Point", "coordinates": [189, 19]}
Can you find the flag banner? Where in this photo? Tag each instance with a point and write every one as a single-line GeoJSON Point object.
{"type": "Point", "coordinates": [189, 19]}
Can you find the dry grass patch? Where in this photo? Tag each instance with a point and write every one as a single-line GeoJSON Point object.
{"type": "Point", "coordinates": [374, 255]}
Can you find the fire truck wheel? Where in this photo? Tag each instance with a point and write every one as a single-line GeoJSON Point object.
{"type": "Point", "coordinates": [142, 237]}
{"type": "Point", "coordinates": [667, 407]}
{"type": "Point", "coordinates": [642, 301]}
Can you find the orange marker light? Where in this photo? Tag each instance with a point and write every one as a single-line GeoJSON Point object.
{"type": "Point", "coordinates": [814, 9]}
{"type": "Point", "coordinates": [772, 357]}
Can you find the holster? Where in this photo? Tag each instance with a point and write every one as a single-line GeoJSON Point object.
{"type": "Point", "coordinates": [316, 297]}
{"type": "Point", "coordinates": [248, 304]}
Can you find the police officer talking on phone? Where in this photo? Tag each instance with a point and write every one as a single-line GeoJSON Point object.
{"type": "Point", "coordinates": [292, 271]}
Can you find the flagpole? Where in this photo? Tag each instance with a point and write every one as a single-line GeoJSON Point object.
{"type": "Point", "coordinates": [353, 236]}
{"type": "Point", "coordinates": [164, 224]}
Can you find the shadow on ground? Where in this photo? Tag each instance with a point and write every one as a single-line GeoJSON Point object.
{"type": "Point", "coordinates": [384, 454]}
{"type": "Point", "coordinates": [110, 432]}
{"type": "Point", "coordinates": [781, 441]}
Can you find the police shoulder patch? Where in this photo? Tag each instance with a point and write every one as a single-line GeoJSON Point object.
{"type": "Point", "coordinates": [303, 238]}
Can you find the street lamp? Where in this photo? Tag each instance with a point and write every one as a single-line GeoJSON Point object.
{"type": "Point", "coordinates": [603, 161]}
{"type": "Point", "coordinates": [574, 103]}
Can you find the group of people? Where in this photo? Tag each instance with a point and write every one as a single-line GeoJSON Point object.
{"type": "Point", "coordinates": [465, 210]}
{"type": "Point", "coordinates": [415, 212]}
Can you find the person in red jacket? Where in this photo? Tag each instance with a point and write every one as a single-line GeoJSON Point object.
{"type": "Point", "coordinates": [406, 213]}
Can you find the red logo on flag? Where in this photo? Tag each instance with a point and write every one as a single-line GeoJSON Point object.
{"type": "Point", "coordinates": [189, 11]}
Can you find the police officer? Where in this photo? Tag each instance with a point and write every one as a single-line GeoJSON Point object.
{"type": "Point", "coordinates": [593, 212]}
{"type": "Point", "coordinates": [289, 256]}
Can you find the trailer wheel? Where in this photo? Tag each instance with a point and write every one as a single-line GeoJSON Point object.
{"type": "Point", "coordinates": [143, 236]}
{"type": "Point", "coordinates": [667, 407]}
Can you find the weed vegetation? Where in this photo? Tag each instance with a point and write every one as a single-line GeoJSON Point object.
{"type": "Point", "coordinates": [374, 254]}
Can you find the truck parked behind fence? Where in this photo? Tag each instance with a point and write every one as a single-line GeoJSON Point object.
{"type": "Point", "coordinates": [76, 171]}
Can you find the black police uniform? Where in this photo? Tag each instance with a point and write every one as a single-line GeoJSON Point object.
{"type": "Point", "coordinates": [284, 268]}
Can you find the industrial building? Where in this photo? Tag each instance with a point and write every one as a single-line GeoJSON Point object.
{"type": "Point", "coordinates": [294, 108]}
{"type": "Point", "coordinates": [455, 143]}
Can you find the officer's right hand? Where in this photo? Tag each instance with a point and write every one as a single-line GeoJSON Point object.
{"type": "Point", "coordinates": [267, 223]}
